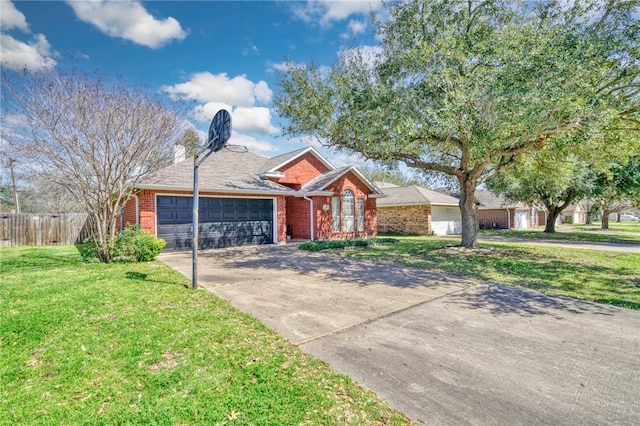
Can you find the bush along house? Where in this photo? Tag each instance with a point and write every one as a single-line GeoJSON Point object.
{"type": "Point", "coordinates": [245, 198]}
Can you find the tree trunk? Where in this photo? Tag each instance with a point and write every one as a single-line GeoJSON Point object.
{"type": "Point", "coordinates": [468, 212]}
{"type": "Point", "coordinates": [554, 212]}
{"type": "Point", "coordinates": [605, 219]}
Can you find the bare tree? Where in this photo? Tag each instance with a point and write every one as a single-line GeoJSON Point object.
{"type": "Point", "coordinates": [94, 138]}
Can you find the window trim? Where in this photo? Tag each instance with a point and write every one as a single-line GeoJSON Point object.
{"type": "Point", "coordinates": [336, 208]}
{"type": "Point", "coordinates": [348, 211]}
{"type": "Point", "coordinates": [361, 206]}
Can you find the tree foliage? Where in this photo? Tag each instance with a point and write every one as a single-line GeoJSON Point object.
{"type": "Point", "coordinates": [464, 87]}
{"type": "Point", "coordinates": [93, 138]}
{"type": "Point", "coordinates": [551, 179]}
{"type": "Point", "coordinates": [619, 189]}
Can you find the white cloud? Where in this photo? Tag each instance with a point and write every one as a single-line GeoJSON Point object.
{"type": "Point", "coordinates": [357, 27]}
{"type": "Point", "coordinates": [252, 144]}
{"type": "Point", "coordinates": [17, 55]}
{"type": "Point", "coordinates": [128, 20]}
{"type": "Point", "coordinates": [10, 17]}
{"type": "Point", "coordinates": [262, 92]}
{"type": "Point", "coordinates": [206, 112]}
{"type": "Point", "coordinates": [327, 11]}
{"type": "Point", "coordinates": [238, 95]}
{"type": "Point", "coordinates": [244, 119]}
{"type": "Point", "coordinates": [35, 54]}
{"type": "Point", "coordinates": [285, 66]}
{"type": "Point", "coordinates": [207, 87]}
{"type": "Point", "coordinates": [253, 120]}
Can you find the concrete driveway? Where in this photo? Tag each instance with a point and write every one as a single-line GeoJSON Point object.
{"type": "Point", "coordinates": [441, 349]}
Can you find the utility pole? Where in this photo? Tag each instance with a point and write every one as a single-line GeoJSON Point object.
{"type": "Point", "coordinates": [16, 201]}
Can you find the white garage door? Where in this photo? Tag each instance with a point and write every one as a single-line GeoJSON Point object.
{"type": "Point", "coordinates": [445, 220]}
{"type": "Point", "coordinates": [522, 219]}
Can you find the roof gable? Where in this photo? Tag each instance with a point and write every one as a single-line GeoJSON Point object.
{"type": "Point", "coordinates": [321, 182]}
{"type": "Point", "coordinates": [276, 163]}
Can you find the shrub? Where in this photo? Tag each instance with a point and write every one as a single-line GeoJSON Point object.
{"type": "Point", "coordinates": [133, 243]}
{"type": "Point", "coordinates": [319, 245]}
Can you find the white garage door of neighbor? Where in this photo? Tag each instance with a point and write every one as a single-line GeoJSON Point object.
{"type": "Point", "coordinates": [445, 220]}
{"type": "Point", "coordinates": [522, 220]}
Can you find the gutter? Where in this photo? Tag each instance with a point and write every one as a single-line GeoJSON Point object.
{"type": "Point", "coordinates": [310, 215]}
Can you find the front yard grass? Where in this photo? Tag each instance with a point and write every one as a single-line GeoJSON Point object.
{"type": "Point", "coordinates": [596, 227]}
{"type": "Point", "coordinates": [620, 233]}
{"type": "Point", "coordinates": [90, 343]}
{"type": "Point", "coordinates": [606, 277]}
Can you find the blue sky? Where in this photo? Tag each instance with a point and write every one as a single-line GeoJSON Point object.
{"type": "Point", "coordinates": [220, 54]}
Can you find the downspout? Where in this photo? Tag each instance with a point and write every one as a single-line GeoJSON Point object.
{"type": "Point", "coordinates": [310, 200]}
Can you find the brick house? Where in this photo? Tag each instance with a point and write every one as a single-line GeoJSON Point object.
{"type": "Point", "coordinates": [414, 210]}
{"type": "Point", "coordinates": [495, 212]}
{"type": "Point", "coordinates": [245, 198]}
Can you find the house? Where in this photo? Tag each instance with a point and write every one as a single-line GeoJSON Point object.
{"type": "Point", "coordinates": [574, 213]}
{"type": "Point", "coordinates": [245, 198]}
{"type": "Point", "coordinates": [414, 210]}
{"type": "Point", "coordinates": [495, 212]}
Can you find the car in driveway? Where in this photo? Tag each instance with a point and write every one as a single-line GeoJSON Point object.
{"type": "Point", "coordinates": [629, 217]}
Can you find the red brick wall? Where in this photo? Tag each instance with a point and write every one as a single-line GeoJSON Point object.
{"type": "Point", "coordinates": [301, 170]}
{"type": "Point", "coordinates": [487, 217]}
{"type": "Point", "coordinates": [130, 213]}
{"type": "Point", "coordinates": [147, 208]}
{"type": "Point", "coordinates": [298, 217]}
{"type": "Point", "coordinates": [323, 225]}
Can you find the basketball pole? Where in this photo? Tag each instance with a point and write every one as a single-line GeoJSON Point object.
{"type": "Point", "coordinates": [219, 134]}
{"type": "Point", "coordinates": [196, 207]}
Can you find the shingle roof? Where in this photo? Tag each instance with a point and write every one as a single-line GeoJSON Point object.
{"type": "Point", "coordinates": [490, 200]}
{"type": "Point", "coordinates": [224, 171]}
{"type": "Point", "coordinates": [319, 183]}
{"type": "Point", "coordinates": [414, 195]}
{"type": "Point", "coordinates": [384, 185]}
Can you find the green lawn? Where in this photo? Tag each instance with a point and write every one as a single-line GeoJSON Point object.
{"type": "Point", "coordinates": [626, 226]}
{"type": "Point", "coordinates": [89, 343]}
{"type": "Point", "coordinates": [624, 233]}
{"type": "Point", "coordinates": [605, 277]}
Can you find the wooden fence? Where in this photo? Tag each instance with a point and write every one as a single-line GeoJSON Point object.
{"type": "Point", "coordinates": [26, 229]}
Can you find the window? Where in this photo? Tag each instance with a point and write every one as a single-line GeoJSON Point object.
{"type": "Point", "coordinates": [335, 213]}
{"type": "Point", "coordinates": [348, 213]}
{"type": "Point", "coordinates": [360, 213]}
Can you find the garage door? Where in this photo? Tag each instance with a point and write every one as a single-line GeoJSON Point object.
{"type": "Point", "coordinates": [223, 222]}
{"type": "Point", "coordinates": [445, 220]}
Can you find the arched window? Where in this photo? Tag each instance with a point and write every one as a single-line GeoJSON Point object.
{"type": "Point", "coordinates": [348, 211]}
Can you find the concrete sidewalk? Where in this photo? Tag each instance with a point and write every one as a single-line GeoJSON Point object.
{"type": "Point", "coordinates": [443, 350]}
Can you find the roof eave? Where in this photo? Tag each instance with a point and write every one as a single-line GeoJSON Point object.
{"type": "Point", "coordinates": [219, 190]}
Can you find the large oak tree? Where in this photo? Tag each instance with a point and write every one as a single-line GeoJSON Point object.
{"type": "Point", "coordinates": [464, 87]}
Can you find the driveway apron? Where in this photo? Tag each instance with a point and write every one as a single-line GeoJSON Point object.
{"type": "Point", "coordinates": [441, 349]}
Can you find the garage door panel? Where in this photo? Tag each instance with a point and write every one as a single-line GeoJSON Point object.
{"type": "Point", "coordinates": [223, 222]}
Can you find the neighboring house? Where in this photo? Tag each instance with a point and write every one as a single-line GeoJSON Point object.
{"type": "Point", "coordinates": [414, 210]}
{"type": "Point", "coordinates": [574, 213]}
{"type": "Point", "coordinates": [245, 198]}
{"type": "Point", "coordinates": [495, 212]}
